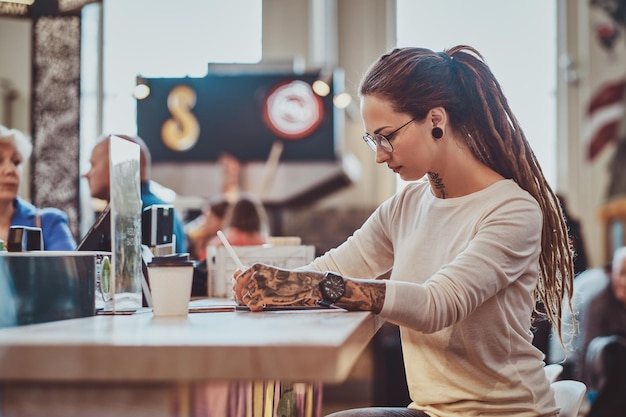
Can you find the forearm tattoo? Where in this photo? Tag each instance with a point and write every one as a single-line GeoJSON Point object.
{"type": "Point", "coordinates": [363, 295]}
{"type": "Point", "coordinates": [274, 286]}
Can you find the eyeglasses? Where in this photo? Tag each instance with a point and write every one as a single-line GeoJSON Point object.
{"type": "Point", "coordinates": [381, 140]}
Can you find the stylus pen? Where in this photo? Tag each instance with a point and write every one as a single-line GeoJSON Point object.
{"type": "Point", "coordinates": [231, 251]}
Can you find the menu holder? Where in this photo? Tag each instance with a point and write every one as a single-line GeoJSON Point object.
{"type": "Point", "coordinates": [125, 224]}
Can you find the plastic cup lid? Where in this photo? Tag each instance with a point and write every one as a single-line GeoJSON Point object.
{"type": "Point", "coordinates": [177, 259]}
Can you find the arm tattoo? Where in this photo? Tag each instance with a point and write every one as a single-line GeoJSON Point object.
{"type": "Point", "coordinates": [284, 287]}
{"type": "Point", "coordinates": [275, 286]}
{"type": "Point", "coordinates": [363, 295]}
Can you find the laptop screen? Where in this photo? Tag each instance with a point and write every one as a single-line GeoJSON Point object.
{"type": "Point", "coordinates": [98, 238]}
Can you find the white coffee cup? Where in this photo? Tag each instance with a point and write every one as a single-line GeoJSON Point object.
{"type": "Point", "coordinates": [170, 285]}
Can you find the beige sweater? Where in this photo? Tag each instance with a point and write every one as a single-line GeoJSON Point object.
{"type": "Point", "coordinates": [461, 290]}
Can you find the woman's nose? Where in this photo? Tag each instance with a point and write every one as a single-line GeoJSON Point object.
{"type": "Point", "coordinates": [381, 155]}
{"type": "Point", "coordinates": [7, 168]}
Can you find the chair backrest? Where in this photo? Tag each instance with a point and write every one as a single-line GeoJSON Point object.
{"type": "Point", "coordinates": [569, 396]}
{"type": "Point", "coordinates": [553, 371]}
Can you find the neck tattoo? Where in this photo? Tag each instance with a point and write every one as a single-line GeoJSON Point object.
{"type": "Point", "coordinates": [437, 182]}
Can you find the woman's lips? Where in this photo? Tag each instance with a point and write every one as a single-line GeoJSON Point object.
{"type": "Point", "coordinates": [10, 186]}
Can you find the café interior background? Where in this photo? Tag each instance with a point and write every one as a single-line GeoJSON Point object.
{"type": "Point", "coordinates": [552, 44]}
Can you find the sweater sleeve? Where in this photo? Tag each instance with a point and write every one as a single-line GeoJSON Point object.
{"type": "Point", "coordinates": [368, 253]}
{"type": "Point", "coordinates": [56, 232]}
{"type": "Point", "coordinates": [503, 247]}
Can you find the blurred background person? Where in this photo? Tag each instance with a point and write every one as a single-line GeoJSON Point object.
{"type": "Point", "coordinates": [202, 231]}
{"type": "Point", "coordinates": [246, 223]}
{"type": "Point", "coordinates": [603, 352]}
{"type": "Point", "coordinates": [574, 230]}
{"type": "Point", "coordinates": [203, 228]}
{"type": "Point", "coordinates": [99, 181]}
{"type": "Point", "coordinates": [15, 149]}
{"type": "Point", "coordinates": [199, 232]}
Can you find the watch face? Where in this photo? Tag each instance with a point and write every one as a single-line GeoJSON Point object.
{"type": "Point", "coordinates": [332, 287]}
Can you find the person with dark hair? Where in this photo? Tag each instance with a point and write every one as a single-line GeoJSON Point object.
{"type": "Point", "coordinates": [574, 230]}
{"type": "Point", "coordinates": [99, 180]}
{"type": "Point", "coordinates": [15, 149]}
{"type": "Point", "coordinates": [200, 232]}
{"type": "Point", "coordinates": [246, 223]}
{"type": "Point", "coordinates": [203, 228]}
{"type": "Point", "coordinates": [471, 244]}
{"type": "Point", "coordinates": [603, 352]}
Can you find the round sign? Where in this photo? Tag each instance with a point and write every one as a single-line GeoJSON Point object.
{"type": "Point", "coordinates": [293, 110]}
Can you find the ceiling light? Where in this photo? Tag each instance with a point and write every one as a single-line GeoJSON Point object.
{"type": "Point", "coordinates": [142, 89]}
{"type": "Point", "coordinates": [321, 88]}
{"type": "Point", "coordinates": [342, 100]}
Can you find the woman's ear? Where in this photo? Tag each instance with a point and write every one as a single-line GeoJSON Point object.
{"type": "Point", "coordinates": [438, 117]}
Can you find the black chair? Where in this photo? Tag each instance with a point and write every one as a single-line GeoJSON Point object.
{"type": "Point", "coordinates": [605, 373]}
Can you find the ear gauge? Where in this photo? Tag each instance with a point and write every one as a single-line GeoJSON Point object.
{"type": "Point", "coordinates": [437, 132]}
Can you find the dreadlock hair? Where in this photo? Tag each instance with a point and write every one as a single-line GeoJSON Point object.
{"type": "Point", "coordinates": [416, 80]}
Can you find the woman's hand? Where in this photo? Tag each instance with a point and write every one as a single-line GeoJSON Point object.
{"type": "Point", "coordinates": [264, 285]}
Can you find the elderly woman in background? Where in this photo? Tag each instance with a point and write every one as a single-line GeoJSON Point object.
{"type": "Point", "coordinates": [15, 148]}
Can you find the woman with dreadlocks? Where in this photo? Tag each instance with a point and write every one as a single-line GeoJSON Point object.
{"type": "Point", "coordinates": [472, 244]}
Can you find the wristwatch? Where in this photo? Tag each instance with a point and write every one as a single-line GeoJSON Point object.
{"type": "Point", "coordinates": [332, 288]}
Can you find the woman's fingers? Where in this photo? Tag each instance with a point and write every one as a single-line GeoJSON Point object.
{"type": "Point", "coordinates": [243, 285]}
{"type": "Point", "coordinates": [246, 287]}
{"type": "Point", "coordinates": [255, 307]}
{"type": "Point", "coordinates": [240, 280]}
{"type": "Point", "coordinates": [246, 297]}
{"type": "Point", "coordinates": [251, 298]}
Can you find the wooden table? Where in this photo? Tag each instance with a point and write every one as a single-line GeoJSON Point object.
{"type": "Point", "coordinates": [141, 365]}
